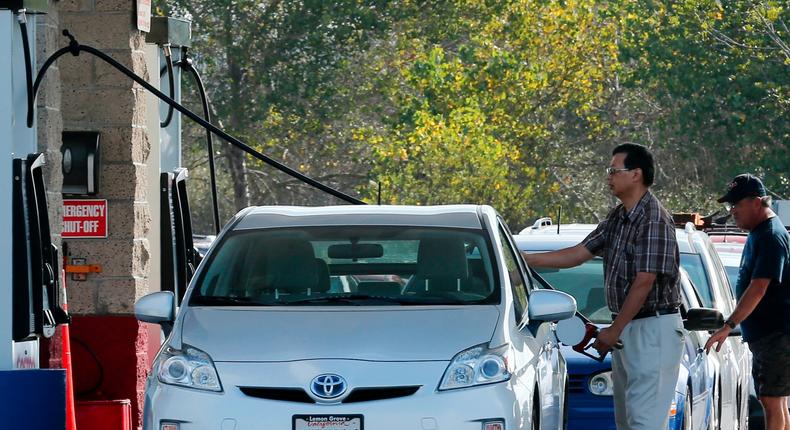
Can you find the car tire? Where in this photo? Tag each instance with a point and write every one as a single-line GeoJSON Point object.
{"type": "Point", "coordinates": [688, 422]}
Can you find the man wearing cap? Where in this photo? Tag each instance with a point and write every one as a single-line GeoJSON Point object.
{"type": "Point", "coordinates": [763, 292]}
{"type": "Point", "coordinates": [640, 254]}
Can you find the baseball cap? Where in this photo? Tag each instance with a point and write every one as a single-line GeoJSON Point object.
{"type": "Point", "coordinates": [742, 186]}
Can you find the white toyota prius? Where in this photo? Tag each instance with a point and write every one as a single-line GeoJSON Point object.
{"type": "Point", "coordinates": [359, 317]}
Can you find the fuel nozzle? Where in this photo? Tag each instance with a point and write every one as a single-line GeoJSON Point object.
{"type": "Point", "coordinates": [580, 334]}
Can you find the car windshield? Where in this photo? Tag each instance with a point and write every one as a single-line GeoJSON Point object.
{"type": "Point", "coordinates": [585, 284]}
{"type": "Point", "coordinates": [349, 266]}
{"type": "Point", "coordinates": [696, 270]}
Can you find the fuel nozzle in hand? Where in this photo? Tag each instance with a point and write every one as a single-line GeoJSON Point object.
{"type": "Point", "coordinates": [580, 334]}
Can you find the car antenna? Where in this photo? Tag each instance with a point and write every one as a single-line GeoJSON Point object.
{"type": "Point", "coordinates": [378, 199]}
{"type": "Point", "coordinates": [559, 218]}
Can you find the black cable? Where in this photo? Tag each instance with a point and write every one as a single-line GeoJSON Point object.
{"type": "Point", "coordinates": [171, 80]}
{"type": "Point", "coordinates": [99, 367]}
{"type": "Point", "coordinates": [75, 48]}
{"type": "Point", "coordinates": [22, 18]}
{"type": "Point", "coordinates": [186, 63]}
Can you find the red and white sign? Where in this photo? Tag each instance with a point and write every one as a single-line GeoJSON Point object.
{"type": "Point", "coordinates": [144, 15]}
{"type": "Point", "coordinates": [84, 218]}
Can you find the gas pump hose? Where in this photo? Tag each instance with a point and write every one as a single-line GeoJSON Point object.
{"type": "Point", "coordinates": [75, 48]}
{"type": "Point", "coordinates": [186, 63]}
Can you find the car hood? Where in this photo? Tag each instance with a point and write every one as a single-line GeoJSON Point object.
{"type": "Point", "coordinates": [375, 334]}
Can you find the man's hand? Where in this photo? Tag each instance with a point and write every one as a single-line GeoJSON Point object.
{"type": "Point", "coordinates": [717, 339]}
{"type": "Point", "coordinates": [606, 339]}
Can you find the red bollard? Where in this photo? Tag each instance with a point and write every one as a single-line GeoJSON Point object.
{"type": "Point", "coordinates": [71, 419]}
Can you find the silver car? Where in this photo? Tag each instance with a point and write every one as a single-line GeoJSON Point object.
{"type": "Point", "coordinates": [353, 317]}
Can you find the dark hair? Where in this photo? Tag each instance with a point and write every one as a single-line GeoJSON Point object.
{"type": "Point", "coordinates": [637, 157]}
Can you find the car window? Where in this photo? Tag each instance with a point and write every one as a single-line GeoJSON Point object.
{"type": "Point", "coordinates": [349, 266]}
{"type": "Point", "coordinates": [586, 284]}
{"type": "Point", "coordinates": [514, 272]}
{"type": "Point", "coordinates": [696, 270]}
{"type": "Point", "coordinates": [722, 280]}
{"type": "Point", "coordinates": [732, 274]}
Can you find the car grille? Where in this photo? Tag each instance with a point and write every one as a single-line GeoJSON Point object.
{"type": "Point", "coordinates": [357, 394]}
{"type": "Point", "coordinates": [283, 394]}
{"type": "Point", "coordinates": [379, 393]}
{"type": "Point", "coordinates": [577, 383]}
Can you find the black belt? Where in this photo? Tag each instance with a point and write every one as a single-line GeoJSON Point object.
{"type": "Point", "coordinates": [648, 314]}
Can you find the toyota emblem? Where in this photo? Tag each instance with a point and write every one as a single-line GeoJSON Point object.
{"type": "Point", "coordinates": [328, 386]}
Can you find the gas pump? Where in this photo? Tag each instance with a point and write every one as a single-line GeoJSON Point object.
{"type": "Point", "coordinates": [30, 265]}
{"type": "Point", "coordinates": [30, 302]}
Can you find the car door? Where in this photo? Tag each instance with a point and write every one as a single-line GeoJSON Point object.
{"type": "Point", "coordinates": [549, 365]}
{"type": "Point", "coordinates": [739, 352]}
{"type": "Point", "coordinates": [702, 368]}
{"type": "Point", "coordinates": [730, 366]}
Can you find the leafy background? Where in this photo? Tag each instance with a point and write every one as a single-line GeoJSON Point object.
{"type": "Point", "coordinates": [512, 103]}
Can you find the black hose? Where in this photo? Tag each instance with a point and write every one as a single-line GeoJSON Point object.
{"type": "Point", "coordinates": [186, 63]}
{"type": "Point", "coordinates": [209, 141]}
{"type": "Point", "coordinates": [75, 48]}
{"type": "Point", "coordinates": [171, 80]}
{"type": "Point", "coordinates": [28, 66]}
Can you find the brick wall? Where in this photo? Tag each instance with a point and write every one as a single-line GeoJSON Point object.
{"type": "Point", "coordinates": [96, 97]}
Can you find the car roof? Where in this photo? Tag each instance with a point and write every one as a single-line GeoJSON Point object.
{"type": "Point", "coordinates": [452, 216]}
{"type": "Point", "coordinates": [730, 259]}
{"type": "Point", "coordinates": [547, 239]}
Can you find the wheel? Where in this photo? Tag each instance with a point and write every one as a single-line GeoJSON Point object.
{"type": "Point", "coordinates": [687, 423]}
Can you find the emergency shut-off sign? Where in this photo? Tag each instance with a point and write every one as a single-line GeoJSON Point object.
{"type": "Point", "coordinates": [84, 218]}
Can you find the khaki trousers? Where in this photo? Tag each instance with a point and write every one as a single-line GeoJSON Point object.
{"type": "Point", "coordinates": [645, 372]}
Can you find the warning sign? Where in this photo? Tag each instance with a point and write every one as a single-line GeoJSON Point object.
{"type": "Point", "coordinates": [84, 218]}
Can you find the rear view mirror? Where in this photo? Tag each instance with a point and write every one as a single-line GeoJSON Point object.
{"type": "Point", "coordinates": [353, 251]}
{"type": "Point", "coordinates": [156, 308]}
{"type": "Point", "coordinates": [703, 319]}
{"type": "Point", "coordinates": [550, 305]}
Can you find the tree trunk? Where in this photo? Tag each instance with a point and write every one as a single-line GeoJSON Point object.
{"type": "Point", "coordinates": [235, 156]}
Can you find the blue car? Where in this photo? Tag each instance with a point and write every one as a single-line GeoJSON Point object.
{"type": "Point", "coordinates": [590, 402]}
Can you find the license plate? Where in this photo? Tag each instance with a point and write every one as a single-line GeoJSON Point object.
{"type": "Point", "coordinates": [327, 422]}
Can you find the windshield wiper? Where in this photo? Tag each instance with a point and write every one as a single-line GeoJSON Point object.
{"type": "Point", "coordinates": [224, 301]}
{"type": "Point", "coordinates": [360, 299]}
{"type": "Point", "coordinates": [353, 300]}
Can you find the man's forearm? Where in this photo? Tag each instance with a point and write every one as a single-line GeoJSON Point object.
{"type": "Point", "coordinates": [562, 259]}
{"type": "Point", "coordinates": [637, 294]}
{"type": "Point", "coordinates": [748, 302]}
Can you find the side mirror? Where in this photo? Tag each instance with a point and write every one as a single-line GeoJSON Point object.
{"type": "Point", "coordinates": [550, 305]}
{"type": "Point", "coordinates": [703, 319]}
{"type": "Point", "coordinates": [156, 308]}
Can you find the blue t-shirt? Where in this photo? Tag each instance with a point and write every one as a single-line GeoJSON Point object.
{"type": "Point", "coordinates": [767, 255]}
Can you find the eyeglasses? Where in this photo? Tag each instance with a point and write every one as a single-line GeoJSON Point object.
{"type": "Point", "coordinates": [730, 206]}
{"type": "Point", "coordinates": [612, 170]}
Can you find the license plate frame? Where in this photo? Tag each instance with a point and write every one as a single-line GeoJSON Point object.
{"type": "Point", "coordinates": [327, 418]}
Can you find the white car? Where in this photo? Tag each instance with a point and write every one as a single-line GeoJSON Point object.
{"type": "Point", "coordinates": [354, 317]}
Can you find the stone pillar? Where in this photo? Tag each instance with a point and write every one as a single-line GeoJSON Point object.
{"type": "Point", "coordinates": [109, 341]}
{"type": "Point", "coordinates": [50, 126]}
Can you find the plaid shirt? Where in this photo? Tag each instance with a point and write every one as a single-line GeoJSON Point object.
{"type": "Point", "coordinates": [642, 240]}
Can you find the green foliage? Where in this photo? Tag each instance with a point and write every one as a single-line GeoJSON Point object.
{"type": "Point", "coordinates": [513, 103]}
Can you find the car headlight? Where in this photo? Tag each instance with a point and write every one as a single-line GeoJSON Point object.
{"type": "Point", "coordinates": [188, 367]}
{"type": "Point", "coordinates": [601, 384]}
{"type": "Point", "coordinates": [478, 365]}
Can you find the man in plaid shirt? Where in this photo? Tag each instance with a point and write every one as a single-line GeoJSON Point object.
{"type": "Point", "coordinates": [641, 258]}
